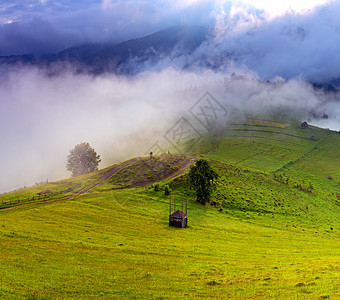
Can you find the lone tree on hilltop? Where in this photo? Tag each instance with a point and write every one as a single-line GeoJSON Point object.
{"type": "Point", "coordinates": [82, 159]}
{"type": "Point", "coordinates": [203, 178]}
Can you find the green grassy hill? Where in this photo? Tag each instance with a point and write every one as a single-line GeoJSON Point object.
{"type": "Point", "coordinates": [274, 231]}
{"type": "Point", "coordinates": [277, 168]}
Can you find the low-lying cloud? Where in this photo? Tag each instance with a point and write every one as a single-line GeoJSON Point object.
{"type": "Point", "coordinates": [294, 45]}
{"type": "Point", "coordinates": [43, 117]}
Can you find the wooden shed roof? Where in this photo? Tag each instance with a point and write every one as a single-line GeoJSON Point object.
{"type": "Point", "coordinates": [178, 215]}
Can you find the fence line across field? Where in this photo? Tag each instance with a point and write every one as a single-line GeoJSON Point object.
{"type": "Point", "coordinates": [38, 196]}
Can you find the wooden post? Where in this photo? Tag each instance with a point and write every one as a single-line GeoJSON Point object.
{"type": "Point", "coordinates": [186, 204]}
{"type": "Point", "coordinates": [170, 205]}
{"type": "Point", "coordinates": [174, 201]}
{"type": "Point", "coordinates": [182, 203]}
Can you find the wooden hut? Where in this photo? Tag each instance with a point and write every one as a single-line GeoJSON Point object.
{"type": "Point", "coordinates": [304, 125]}
{"type": "Point", "coordinates": [178, 219]}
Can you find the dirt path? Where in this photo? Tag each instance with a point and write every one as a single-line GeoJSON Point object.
{"type": "Point", "coordinates": [185, 168]}
{"type": "Point", "coordinates": [214, 150]}
{"type": "Point", "coordinates": [84, 190]}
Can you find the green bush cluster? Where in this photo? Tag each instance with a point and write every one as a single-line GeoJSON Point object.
{"type": "Point", "coordinates": [167, 190]}
{"type": "Point", "coordinates": [156, 187]}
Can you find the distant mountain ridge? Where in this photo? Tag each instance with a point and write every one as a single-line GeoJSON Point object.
{"type": "Point", "coordinates": [123, 58]}
{"type": "Point", "coordinates": [183, 47]}
{"type": "Point", "coordinates": [127, 57]}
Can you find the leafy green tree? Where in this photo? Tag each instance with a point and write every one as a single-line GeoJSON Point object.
{"type": "Point", "coordinates": [203, 179]}
{"type": "Point", "coordinates": [82, 159]}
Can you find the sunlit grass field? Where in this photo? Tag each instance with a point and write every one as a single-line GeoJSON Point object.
{"type": "Point", "coordinates": [265, 238]}
{"type": "Point", "coordinates": [119, 245]}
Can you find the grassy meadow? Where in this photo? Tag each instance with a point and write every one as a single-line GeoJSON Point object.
{"type": "Point", "coordinates": [273, 234]}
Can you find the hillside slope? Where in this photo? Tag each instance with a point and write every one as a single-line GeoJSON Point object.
{"type": "Point", "coordinates": [138, 171]}
{"type": "Point", "coordinates": [281, 169]}
{"type": "Point", "coordinates": [272, 231]}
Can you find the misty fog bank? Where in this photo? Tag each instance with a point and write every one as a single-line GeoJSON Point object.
{"type": "Point", "coordinates": [43, 117]}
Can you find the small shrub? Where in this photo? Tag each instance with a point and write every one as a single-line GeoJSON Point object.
{"type": "Point", "coordinates": [156, 187]}
{"type": "Point", "coordinates": [147, 275]}
{"type": "Point", "coordinates": [167, 190]}
{"type": "Point", "coordinates": [213, 282]}
{"type": "Point", "coordinates": [310, 187]}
